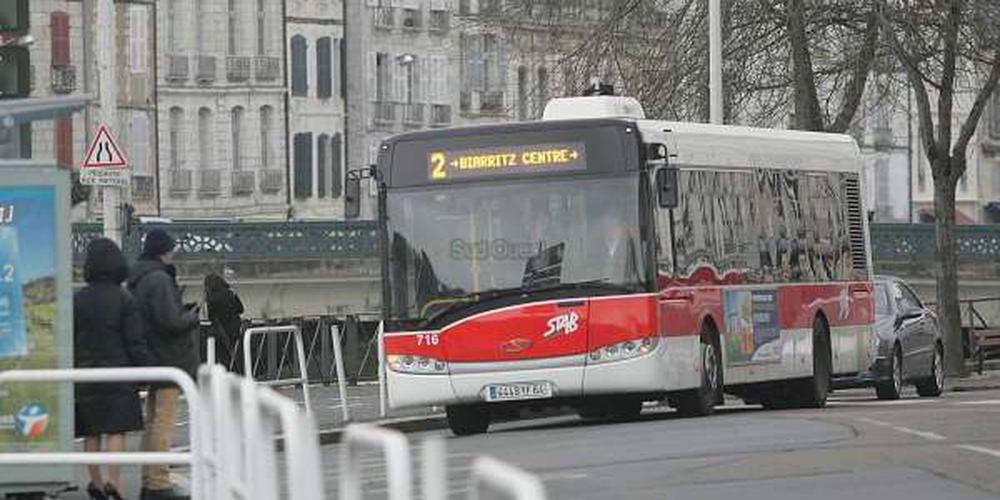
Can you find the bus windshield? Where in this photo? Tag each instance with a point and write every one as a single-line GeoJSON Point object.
{"type": "Point", "coordinates": [448, 244]}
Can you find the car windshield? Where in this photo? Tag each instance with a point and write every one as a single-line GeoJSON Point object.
{"type": "Point", "coordinates": [883, 308]}
{"type": "Point", "coordinates": [448, 243]}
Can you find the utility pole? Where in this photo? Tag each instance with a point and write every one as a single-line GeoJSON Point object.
{"type": "Point", "coordinates": [103, 32]}
{"type": "Point", "coordinates": [356, 150]}
{"type": "Point", "coordinates": [715, 61]}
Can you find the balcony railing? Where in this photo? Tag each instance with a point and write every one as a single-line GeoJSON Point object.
{"type": "Point", "coordinates": [180, 182]}
{"type": "Point", "coordinates": [491, 102]}
{"type": "Point", "coordinates": [143, 187]}
{"type": "Point", "coordinates": [272, 180]}
{"type": "Point", "coordinates": [267, 68]}
{"type": "Point", "coordinates": [384, 17]}
{"type": "Point", "coordinates": [243, 183]}
{"type": "Point", "coordinates": [63, 79]}
{"type": "Point", "coordinates": [237, 68]}
{"type": "Point", "coordinates": [385, 113]}
{"type": "Point", "coordinates": [206, 69]}
{"type": "Point", "coordinates": [210, 182]}
{"type": "Point", "coordinates": [440, 115]}
{"type": "Point", "coordinates": [440, 21]}
{"type": "Point", "coordinates": [413, 114]}
{"type": "Point", "coordinates": [177, 67]}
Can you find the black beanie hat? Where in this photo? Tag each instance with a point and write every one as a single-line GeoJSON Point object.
{"type": "Point", "coordinates": [157, 243]}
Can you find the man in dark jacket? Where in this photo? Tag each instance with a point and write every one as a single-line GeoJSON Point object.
{"type": "Point", "coordinates": [170, 328]}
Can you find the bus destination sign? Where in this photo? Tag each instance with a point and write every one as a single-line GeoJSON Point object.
{"type": "Point", "coordinates": [506, 160]}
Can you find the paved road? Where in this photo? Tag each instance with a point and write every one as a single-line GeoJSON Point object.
{"type": "Point", "coordinates": [908, 449]}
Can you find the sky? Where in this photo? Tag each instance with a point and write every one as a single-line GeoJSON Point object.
{"type": "Point", "coordinates": [34, 220]}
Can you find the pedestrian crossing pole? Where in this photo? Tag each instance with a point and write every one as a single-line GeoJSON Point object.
{"type": "Point", "coordinates": [103, 33]}
{"type": "Point", "coordinates": [715, 61]}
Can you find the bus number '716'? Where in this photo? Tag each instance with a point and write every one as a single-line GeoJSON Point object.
{"type": "Point", "coordinates": [428, 339]}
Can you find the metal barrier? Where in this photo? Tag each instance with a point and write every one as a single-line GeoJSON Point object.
{"type": "Point", "coordinates": [338, 359]}
{"type": "Point", "coordinates": [296, 333]}
{"type": "Point", "coordinates": [493, 477]}
{"type": "Point", "coordinates": [196, 458]}
{"type": "Point", "coordinates": [398, 467]}
{"type": "Point", "coordinates": [239, 417]}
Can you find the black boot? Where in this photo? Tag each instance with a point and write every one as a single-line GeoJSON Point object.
{"type": "Point", "coordinates": [95, 493]}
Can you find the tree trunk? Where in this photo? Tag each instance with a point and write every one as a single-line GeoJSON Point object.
{"type": "Point", "coordinates": [948, 309]}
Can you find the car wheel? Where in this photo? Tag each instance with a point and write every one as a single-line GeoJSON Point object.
{"type": "Point", "coordinates": [466, 420]}
{"type": "Point", "coordinates": [812, 392]}
{"type": "Point", "coordinates": [891, 389]}
{"type": "Point", "coordinates": [933, 386]}
{"type": "Point", "coordinates": [701, 401]}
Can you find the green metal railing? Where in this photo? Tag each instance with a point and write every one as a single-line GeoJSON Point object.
{"type": "Point", "coordinates": [251, 241]}
{"type": "Point", "coordinates": [287, 241]}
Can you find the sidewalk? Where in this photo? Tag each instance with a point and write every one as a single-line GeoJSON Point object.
{"type": "Point", "coordinates": [363, 406]}
{"type": "Point", "coordinates": [988, 380]}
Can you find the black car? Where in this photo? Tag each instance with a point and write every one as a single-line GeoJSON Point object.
{"type": "Point", "coordinates": [908, 346]}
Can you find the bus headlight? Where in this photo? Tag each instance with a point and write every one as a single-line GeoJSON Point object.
{"type": "Point", "coordinates": [416, 364]}
{"type": "Point", "coordinates": [624, 350]}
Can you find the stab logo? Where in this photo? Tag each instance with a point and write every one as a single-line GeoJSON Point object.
{"type": "Point", "coordinates": [32, 420]}
{"type": "Point", "coordinates": [564, 324]}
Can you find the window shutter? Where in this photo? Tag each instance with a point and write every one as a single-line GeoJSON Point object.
{"type": "Point", "coordinates": [59, 25]}
{"type": "Point", "coordinates": [322, 156]}
{"type": "Point", "coordinates": [398, 75]}
{"type": "Point", "coordinates": [335, 67]}
{"type": "Point", "coordinates": [64, 142]}
{"type": "Point", "coordinates": [324, 83]}
{"type": "Point", "coordinates": [300, 72]}
{"type": "Point", "coordinates": [137, 39]}
{"type": "Point", "coordinates": [336, 168]}
{"type": "Point", "coordinates": [303, 165]}
{"type": "Point", "coordinates": [139, 144]}
{"type": "Point", "coordinates": [372, 72]}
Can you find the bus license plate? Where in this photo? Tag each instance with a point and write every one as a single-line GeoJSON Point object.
{"type": "Point", "coordinates": [519, 391]}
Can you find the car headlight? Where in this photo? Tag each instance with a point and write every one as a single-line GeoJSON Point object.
{"type": "Point", "coordinates": [416, 364]}
{"type": "Point", "coordinates": [624, 350]}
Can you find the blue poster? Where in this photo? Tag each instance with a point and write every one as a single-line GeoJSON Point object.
{"type": "Point", "coordinates": [13, 331]}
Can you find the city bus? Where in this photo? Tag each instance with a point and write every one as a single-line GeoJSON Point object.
{"type": "Point", "coordinates": [596, 260]}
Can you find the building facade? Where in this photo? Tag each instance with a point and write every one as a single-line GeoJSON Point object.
{"type": "Point", "coordinates": [315, 45]}
{"type": "Point", "coordinates": [221, 109]}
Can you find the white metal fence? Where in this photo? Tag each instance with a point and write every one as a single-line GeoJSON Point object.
{"type": "Point", "coordinates": [235, 425]}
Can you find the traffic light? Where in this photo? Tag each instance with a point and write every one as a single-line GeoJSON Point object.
{"type": "Point", "coordinates": [15, 60]}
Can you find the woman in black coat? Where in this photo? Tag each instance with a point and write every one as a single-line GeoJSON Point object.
{"type": "Point", "coordinates": [224, 310]}
{"type": "Point", "coordinates": [107, 333]}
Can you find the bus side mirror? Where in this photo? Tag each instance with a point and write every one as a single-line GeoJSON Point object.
{"type": "Point", "coordinates": [666, 187]}
{"type": "Point", "coordinates": [352, 196]}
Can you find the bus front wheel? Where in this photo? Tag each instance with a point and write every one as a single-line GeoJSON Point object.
{"type": "Point", "coordinates": [701, 401]}
{"type": "Point", "coordinates": [467, 420]}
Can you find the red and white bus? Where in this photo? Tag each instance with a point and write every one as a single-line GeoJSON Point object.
{"type": "Point", "coordinates": [598, 260]}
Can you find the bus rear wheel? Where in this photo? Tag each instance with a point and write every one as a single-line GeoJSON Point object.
{"type": "Point", "coordinates": [812, 392]}
{"type": "Point", "coordinates": [701, 401]}
{"type": "Point", "coordinates": [467, 420]}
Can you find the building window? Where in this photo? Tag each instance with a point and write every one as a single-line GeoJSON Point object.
{"type": "Point", "coordinates": [205, 138]}
{"type": "Point", "coordinates": [139, 144]}
{"type": "Point", "coordinates": [137, 37]}
{"type": "Point", "coordinates": [412, 18]}
{"type": "Point", "coordinates": [541, 90]}
{"type": "Point", "coordinates": [336, 68]}
{"type": "Point", "coordinates": [175, 137]}
{"type": "Point", "coordinates": [237, 124]}
{"type": "Point", "coordinates": [383, 77]}
{"type": "Point", "coordinates": [522, 93]}
{"type": "Point", "coordinates": [302, 150]}
{"type": "Point", "coordinates": [234, 24]}
{"type": "Point", "coordinates": [266, 125]}
{"type": "Point", "coordinates": [464, 7]}
{"type": "Point", "coordinates": [324, 68]}
{"type": "Point", "coordinates": [411, 78]}
{"type": "Point", "coordinates": [172, 26]}
{"type": "Point", "coordinates": [261, 28]}
{"type": "Point", "coordinates": [199, 26]}
{"type": "Point", "coordinates": [322, 167]}
{"type": "Point", "coordinates": [300, 84]}
{"type": "Point", "coordinates": [336, 166]}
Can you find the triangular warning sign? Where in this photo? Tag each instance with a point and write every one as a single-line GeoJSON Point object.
{"type": "Point", "coordinates": [104, 152]}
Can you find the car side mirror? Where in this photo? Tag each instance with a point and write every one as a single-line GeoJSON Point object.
{"type": "Point", "coordinates": [352, 196]}
{"type": "Point", "coordinates": [666, 187]}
